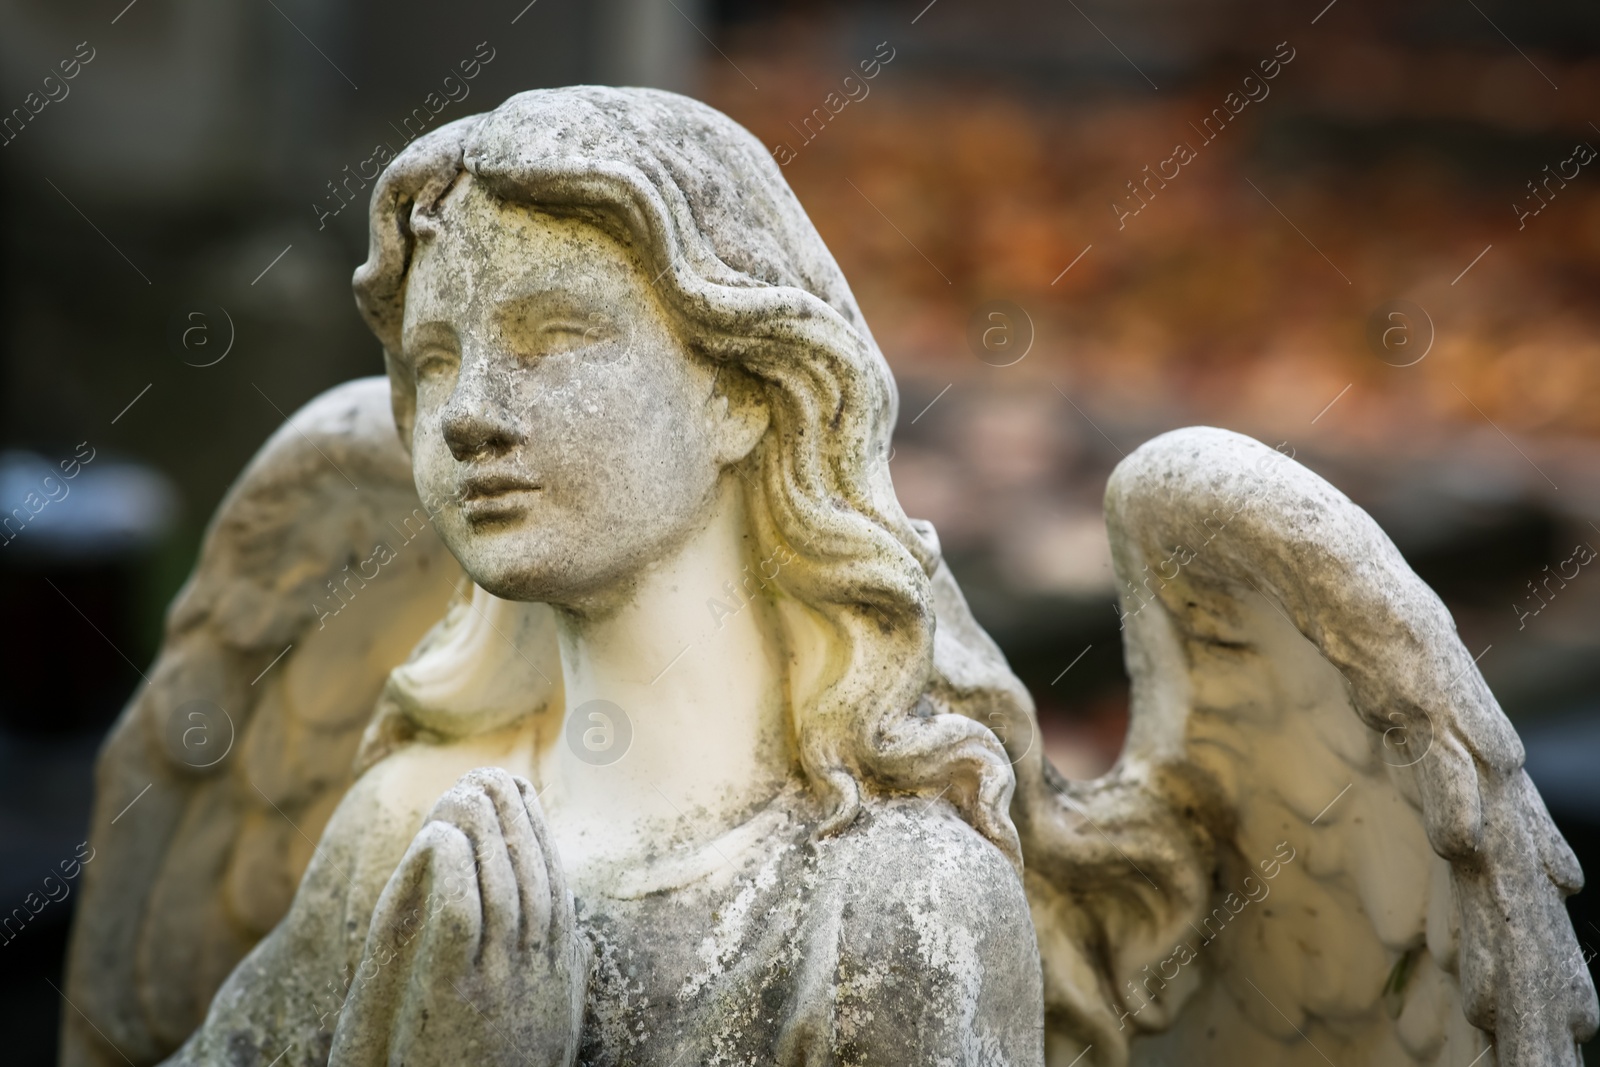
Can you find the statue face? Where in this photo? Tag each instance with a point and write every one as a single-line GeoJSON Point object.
{"type": "Point", "coordinates": [565, 436]}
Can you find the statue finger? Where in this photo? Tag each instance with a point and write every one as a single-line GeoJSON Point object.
{"type": "Point", "coordinates": [479, 804]}
{"type": "Point", "coordinates": [419, 914]}
{"type": "Point", "coordinates": [520, 832]}
{"type": "Point", "coordinates": [464, 805]}
{"type": "Point", "coordinates": [559, 923]}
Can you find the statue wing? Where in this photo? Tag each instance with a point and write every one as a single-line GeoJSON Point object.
{"type": "Point", "coordinates": [1319, 845]}
{"type": "Point", "coordinates": [318, 575]}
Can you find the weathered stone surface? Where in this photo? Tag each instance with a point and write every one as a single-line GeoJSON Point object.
{"type": "Point", "coordinates": [709, 762]}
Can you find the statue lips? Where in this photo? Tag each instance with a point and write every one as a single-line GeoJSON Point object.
{"type": "Point", "coordinates": [489, 498]}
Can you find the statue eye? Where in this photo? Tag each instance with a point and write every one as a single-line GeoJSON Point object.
{"type": "Point", "coordinates": [433, 362]}
{"type": "Point", "coordinates": [567, 335]}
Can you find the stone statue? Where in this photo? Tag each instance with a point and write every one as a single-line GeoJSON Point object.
{"type": "Point", "coordinates": [615, 713]}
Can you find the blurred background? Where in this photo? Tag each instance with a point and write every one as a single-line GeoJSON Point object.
{"type": "Point", "coordinates": [1367, 232]}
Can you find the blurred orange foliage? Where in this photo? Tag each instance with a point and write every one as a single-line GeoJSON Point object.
{"type": "Point", "coordinates": [1215, 302]}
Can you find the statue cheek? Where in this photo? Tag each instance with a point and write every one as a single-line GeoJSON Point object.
{"type": "Point", "coordinates": [613, 394]}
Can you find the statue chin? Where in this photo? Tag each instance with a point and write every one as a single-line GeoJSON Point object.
{"type": "Point", "coordinates": [505, 572]}
{"type": "Point", "coordinates": [514, 558]}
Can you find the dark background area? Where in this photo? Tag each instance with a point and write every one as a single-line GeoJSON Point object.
{"type": "Point", "coordinates": [190, 171]}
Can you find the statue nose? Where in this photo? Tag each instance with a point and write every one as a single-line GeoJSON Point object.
{"type": "Point", "coordinates": [470, 430]}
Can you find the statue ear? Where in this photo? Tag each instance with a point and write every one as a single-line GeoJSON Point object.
{"type": "Point", "coordinates": [739, 409]}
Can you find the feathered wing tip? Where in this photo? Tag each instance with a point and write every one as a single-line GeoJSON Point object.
{"type": "Point", "coordinates": [1266, 613]}
{"type": "Point", "coordinates": [306, 592]}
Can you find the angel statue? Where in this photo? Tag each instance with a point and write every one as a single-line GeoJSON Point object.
{"type": "Point", "coordinates": [613, 712]}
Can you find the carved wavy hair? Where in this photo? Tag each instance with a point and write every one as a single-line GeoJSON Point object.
{"type": "Point", "coordinates": [914, 696]}
{"type": "Point", "coordinates": [737, 261]}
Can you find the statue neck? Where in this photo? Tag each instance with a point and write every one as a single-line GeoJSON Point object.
{"type": "Point", "coordinates": [697, 673]}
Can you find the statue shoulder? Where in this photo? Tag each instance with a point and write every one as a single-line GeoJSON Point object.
{"type": "Point", "coordinates": [909, 844]}
{"type": "Point", "coordinates": [937, 951]}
